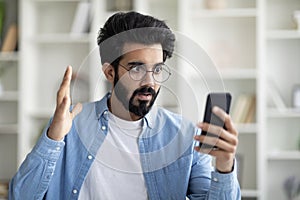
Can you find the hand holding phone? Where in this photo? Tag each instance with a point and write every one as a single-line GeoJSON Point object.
{"type": "Point", "coordinates": [223, 101]}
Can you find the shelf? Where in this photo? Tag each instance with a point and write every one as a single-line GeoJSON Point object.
{"type": "Point", "coordinates": [238, 73]}
{"type": "Point", "coordinates": [249, 193]}
{"type": "Point", "coordinates": [284, 113]}
{"type": "Point", "coordinates": [55, 1]}
{"type": "Point", "coordinates": [8, 129]}
{"type": "Point", "coordinates": [62, 38]}
{"type": "Point", "coordinates": [9, 56]}
{"type": "Point", "coordinates": [237, 12]}
{"type": "Point", "coordinates": [9, 96]}
{"type": "Point", "coordinates": [284, 155]}
{"type": "Point", "coordinates": [283, 34]}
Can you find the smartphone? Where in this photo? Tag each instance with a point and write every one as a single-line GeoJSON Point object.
{"type": "Point", "coordinates": [223, 101]}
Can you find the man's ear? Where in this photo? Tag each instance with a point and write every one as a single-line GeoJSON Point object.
{"type": "Point", "coordinates": [109, 72]}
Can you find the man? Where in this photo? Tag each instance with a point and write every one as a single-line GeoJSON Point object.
{"type": "Point", "coordinates": [122, 146]}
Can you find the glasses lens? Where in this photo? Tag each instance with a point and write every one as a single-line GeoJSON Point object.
{"type": "Point", "coordinates": [161, 73]}
{"type": "Point", "coordinates": [138, 72]}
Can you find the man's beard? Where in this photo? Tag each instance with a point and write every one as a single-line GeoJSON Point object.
{"type": "Point", "coordinates": [143, 107]}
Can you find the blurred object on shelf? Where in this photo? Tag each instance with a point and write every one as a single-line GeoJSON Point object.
{"type": "Point", "coordinates": [296, 97]}
{"type": "Point", "coordinates": [291, 187]}
{"type": "Point", "coordinates": [11, 39]}
{"type": "Point", "coordinates": [274, 98]}
{"type": "Point", "coordinates": [4, 188]}
{"type": "Point", "coordinates": [223, 53]}
{"type": "Point", "coordinates": [216, 4]}
{"type": "Point", "coordinates": [297, 18]}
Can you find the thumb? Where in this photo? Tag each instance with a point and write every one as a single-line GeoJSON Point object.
{"type": "Point", "coordinates": [76, 110]}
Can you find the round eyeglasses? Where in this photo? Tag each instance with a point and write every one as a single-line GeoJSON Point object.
{"type": "Point", "coordinates": [160, 72]}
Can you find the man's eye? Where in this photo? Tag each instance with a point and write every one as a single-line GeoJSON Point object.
{"type": "Point", "coordinates": [137, 68]}
{"type": "Point", "coordinates": [158, 69]}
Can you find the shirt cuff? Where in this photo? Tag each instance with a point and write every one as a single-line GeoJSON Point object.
{"type": "Point", "coordinates": [224, 181]}
{"type": "Point", "coordinates": [47, 148]}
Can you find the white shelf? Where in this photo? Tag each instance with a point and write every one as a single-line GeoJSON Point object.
{"type": "Point", "coordinates": [8, 129]}
{"type": "Point", "coordinates": [9, 56]}
{"type": "Point", "coordinates": [236, 12]}
{"type": "Point", "coordinates": [9, 96]}
{"type": "Point", "coordinates": [283, 34]}
{"type": "Point", "coordinates": [55, 1]}
{"type": "Point", "coordinates": [284, 155]}
{"type": "Point", "coordinates": [284, 113]}
{"type": "Point", "coordinates": [238, 73]}
{"type": "Point", "coordinates": [250, 193]}
{"type": "Point", "coordinates": [62, 38]}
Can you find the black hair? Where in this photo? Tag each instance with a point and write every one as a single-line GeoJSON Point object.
{"type": "Point", "coordinates": [136, 28]}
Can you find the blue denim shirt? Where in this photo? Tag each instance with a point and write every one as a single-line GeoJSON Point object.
{"type": "Point", "coordinates": [171, 168]}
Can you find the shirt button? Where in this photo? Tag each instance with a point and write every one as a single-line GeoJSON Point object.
{"type": "Point", "coordinates": [74, 191]}
{"type": "Point", "coordinates": [215, 179]}
{"type": "Point", "coordinates": [90, 157]}
{"type": "Point", "coordinates": [57, 148]}
{"type": "Point", "coordinates": [105, 112]}
{"type": "Point", "coordinates": [103, 128]}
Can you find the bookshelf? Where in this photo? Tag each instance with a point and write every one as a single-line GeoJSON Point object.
{"type": "Point", "coordinates": [230, 36]}
{"type": "Point", "coordinates": [9, 92]}
{"type": "Point", "coordinates": [249, 41]}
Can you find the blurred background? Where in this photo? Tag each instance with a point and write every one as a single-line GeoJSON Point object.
{"type": "Point", "coordinates": [254, 44]}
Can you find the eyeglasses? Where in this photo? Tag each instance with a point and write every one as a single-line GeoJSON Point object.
{"type": "Point", "coordinates": [137, 72]}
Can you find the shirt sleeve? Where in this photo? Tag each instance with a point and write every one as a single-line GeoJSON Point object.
{"type": "Point", "coordinates": [208, 184]}
{"type": "Point", "coordinates": [34, 175]}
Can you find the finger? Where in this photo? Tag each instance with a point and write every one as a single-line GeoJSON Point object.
{"type": "Point", "coordinates": [76, 110]}
{"type": "Point", "coordinates": [218, 132]}
{"type": "Point", "coordinates": [65, 86]}
{"type": "Point", "coordinates": [215, 141]}
{"type": "Point", "coordinates": [226, 118]}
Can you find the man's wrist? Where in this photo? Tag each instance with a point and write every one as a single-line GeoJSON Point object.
{"type": "Point", "coordinates": [226, 171]}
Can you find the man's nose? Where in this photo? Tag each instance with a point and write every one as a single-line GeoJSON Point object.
{"type": "Point", "coordinates": [148, 79]}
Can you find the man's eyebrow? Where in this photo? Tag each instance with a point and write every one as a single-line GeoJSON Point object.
{"type": "Point", "coordinates": [136, 63]}
{"type": "Point", "coordinates": [142, 63]}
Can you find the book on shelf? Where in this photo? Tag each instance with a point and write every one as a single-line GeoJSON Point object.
{"type": "Point", "coordinates": [274, 97]}
{"type": "Point", "coordinates": [10, 39]}
{"type": "Point", "coordinates": [244, 109]}
{"type": "Point", "coordinates": [2, 17]}
{"type": "Point", "coordinates": [4, 188]}
{"type": "Point", "coordinates": [82, 19]}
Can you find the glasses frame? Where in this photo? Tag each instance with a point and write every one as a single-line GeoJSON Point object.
{"type": "Point", "coordinates": [130, 68]}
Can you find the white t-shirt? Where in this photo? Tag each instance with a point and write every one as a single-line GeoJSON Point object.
{"type": "Point", "coordinates": [116, 171]}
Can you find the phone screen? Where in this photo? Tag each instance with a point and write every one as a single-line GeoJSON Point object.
{"type": "Point", "coordinates": [223, 101]}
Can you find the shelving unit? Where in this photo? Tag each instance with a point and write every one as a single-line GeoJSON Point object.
{"type": "Point", "coordinates": [282, 135]}
{"type": "Point", "coordinates": [9, 112]}
{"type": "Point", "coordinates": [230, 36]}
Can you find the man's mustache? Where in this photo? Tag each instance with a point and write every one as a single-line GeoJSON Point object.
{"type": "Point", "coordinates": [144, 90]}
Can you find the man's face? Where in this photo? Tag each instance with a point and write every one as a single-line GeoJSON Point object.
{"type": "Point", "coordinates": [138, 96]}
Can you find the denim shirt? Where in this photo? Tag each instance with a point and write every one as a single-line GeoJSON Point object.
{"type": "Point", "coordinates": [171, 168]}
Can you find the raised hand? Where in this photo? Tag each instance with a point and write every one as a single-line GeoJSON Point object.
{"type": "Point", "coordinates": [226, 141]}
{"type": "Point", "coordinates": [62, 119]}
